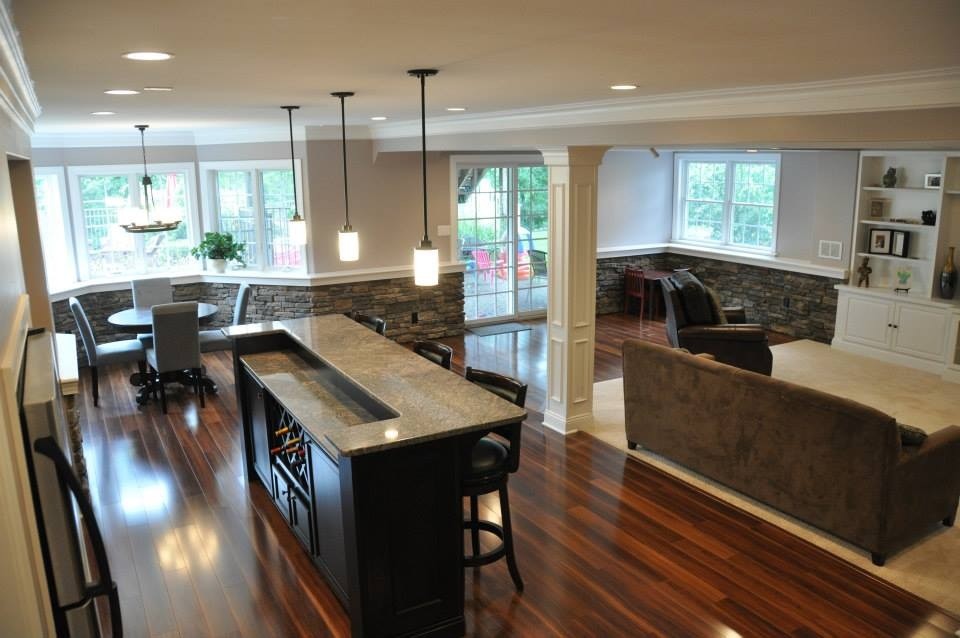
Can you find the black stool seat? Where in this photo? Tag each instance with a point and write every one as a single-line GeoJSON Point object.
{"type": "Point", "coordinates": [488, 457]}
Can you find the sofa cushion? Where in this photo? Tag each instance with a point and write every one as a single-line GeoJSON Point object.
{"type": "Point", "coordinates": [696, 305]}
{"type": "Point", "coordinates": [910, 435]}
{"type": "Point", "coordinates": [716, 309]}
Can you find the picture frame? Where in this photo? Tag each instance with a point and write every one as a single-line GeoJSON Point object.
{"type": "Point", "coordinates": [878, 206]}
{"type": "Point", "coordinates": [879, 241]}
{"type": "Point", "coordinates": [932, 180]}
{"type": "Point", "coordinates": [900, 243]}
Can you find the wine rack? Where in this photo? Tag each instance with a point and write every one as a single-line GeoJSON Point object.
{"type": "Point", "coordinates": [289, 445]}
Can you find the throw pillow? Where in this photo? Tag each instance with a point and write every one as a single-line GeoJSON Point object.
{"type": "Point", "coordinates": [694, 297]}
{"type": "Point", "coordinates": [716, 310]}
{"type": "Point", "coordinates": [910, 435]}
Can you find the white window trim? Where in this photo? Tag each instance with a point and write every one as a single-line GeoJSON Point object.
{"type": "Point", "coordinates": [65, 214]}
{"type": "Point", "coordinates": [79, 231]}
{"type": "Point", "coordinates": [679, 171]}
{"type": "Point", "coordinates": [208, 195]}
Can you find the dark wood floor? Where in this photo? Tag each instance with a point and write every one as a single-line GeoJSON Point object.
{"type": "Point", "coordinates": [607, 545]}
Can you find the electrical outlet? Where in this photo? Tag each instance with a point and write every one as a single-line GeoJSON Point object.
{"type": "Point", "coordinates": [414, 317]}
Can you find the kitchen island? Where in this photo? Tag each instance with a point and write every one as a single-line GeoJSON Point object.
{"type": "Point", "coordinates": [360, 443]}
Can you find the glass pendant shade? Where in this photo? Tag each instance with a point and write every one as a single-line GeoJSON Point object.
{"type": "Point", "coordinates": [297, 231]}
{"type": "Point", "coordinates": [349, 244]}
{"type": "Point", "coordinates": [426, 265]}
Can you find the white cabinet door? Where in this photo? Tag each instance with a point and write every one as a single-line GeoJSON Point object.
{"type": "Point", "coordinates": [869, 321]}
{"type": "Point", "coordinates": [920, 331]}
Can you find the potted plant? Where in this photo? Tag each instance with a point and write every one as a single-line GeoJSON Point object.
{"type": "Point", "coordinates": [218, 249]}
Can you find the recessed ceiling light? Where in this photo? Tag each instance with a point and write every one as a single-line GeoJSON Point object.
{"type": "Point", "coordinates": [456, 108]}
{"type": "Point", "coordinates": [121, 92]}
{"type": "Point", "coordinates": [148, 56]}
{"type": "Point", "coordinates": [158, 88]}
{"type": "Point", "coordinates": [103, 113]}
{"type": "Point", "coordinates": [378, 118]}
{"type": "Point", "coordinates": [751, 150]}
{"type": "Point", "coordinates": [623, 87]}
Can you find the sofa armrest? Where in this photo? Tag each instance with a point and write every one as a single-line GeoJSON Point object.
{"type": "Point", "coordinates": [925, 484]}
{"type": "Point", "coordinates": [735, 314]}
{"type": "Point", "coordinates": [723, 332]}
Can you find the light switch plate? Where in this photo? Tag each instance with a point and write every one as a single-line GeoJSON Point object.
{"type": "Point", "coordinates": [443, 231]}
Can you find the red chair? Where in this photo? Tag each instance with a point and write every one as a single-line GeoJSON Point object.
{"type": "Point", "coordinates": [484, 266]}
{"type": "Point", "coordinates": [634, 287]}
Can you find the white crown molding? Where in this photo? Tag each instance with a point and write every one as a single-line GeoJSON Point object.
{"type": "Point", "coordinates": [17, 97]}
{"type": "Point", "coordinates": [201, 137]}
{"type": "Point", "coordinates": [896, 91]}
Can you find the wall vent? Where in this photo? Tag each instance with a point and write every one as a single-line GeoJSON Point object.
{"type": "Point", "coordinates": [831, 249]}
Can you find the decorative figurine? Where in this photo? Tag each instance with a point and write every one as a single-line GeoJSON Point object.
{"type": "Point", "coordinates": [890, 178]}
{"type": "Point", "coordinates": [864, 271]}
{"type": "Point", "coordinates": [929, 218]}
{"type": "Point", "coordinates": [903, 278]}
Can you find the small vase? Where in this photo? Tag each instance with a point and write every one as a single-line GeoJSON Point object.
{"type": "Point", "coordinates": [948, 277]}
{"type": "Point", "coordinates": [890, 178]}
{"type": "Point", "coordinates": [218, 265]}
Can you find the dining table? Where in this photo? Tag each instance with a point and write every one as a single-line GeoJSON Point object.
{"type": "Point", "coordinates": [138, 320]}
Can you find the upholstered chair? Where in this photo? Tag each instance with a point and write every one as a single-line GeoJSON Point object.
{"type": "Point", "coordinates": [176, 348]}
{"type": "Point", "coordinates": [211, 340]}
{"type": "Point", "coordinates": [106, 353]}
{"type": "Point", "coordinates": [434, 351]}
{"type": "Point", "coordinates": [148, 293]}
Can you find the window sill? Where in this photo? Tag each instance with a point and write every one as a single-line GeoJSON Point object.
{"type": "Point", "coordinates": [747, 258]}
{"type": "Point", "coordinates": [264, 278]}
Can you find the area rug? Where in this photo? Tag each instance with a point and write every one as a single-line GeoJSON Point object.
{"type": "Point", "coordinates": [930, 568]}
{"type": "Point", "coordinates": [498, 329]}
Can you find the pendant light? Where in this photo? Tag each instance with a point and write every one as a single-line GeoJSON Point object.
{"type": "Point", "coordinates": [137, 213]}
{"type": "Point", "coordinates": [297, 226]}
{"type": "Point", "coordinates": [349, 239]}
{"type": "Point", "coordinates": [426, 258]}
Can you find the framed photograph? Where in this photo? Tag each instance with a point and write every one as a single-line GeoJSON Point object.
{"type": "Point", "coordinates": [900, 243]}
{"type": "Point", "coordinates": [878, 206]}
{"type": "Point", "coordinates": [931, 180]}
{"type": "Point", "coordinates": [880, 241]}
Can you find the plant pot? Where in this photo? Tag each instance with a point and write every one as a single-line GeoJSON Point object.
{"type": "Point", "coordinates": [218, 265]}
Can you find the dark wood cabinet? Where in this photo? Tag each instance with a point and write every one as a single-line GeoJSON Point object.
{"type": "Point", "coordinates": [328, 510]}
{"type": "Point", "coordinates": [257, 427]}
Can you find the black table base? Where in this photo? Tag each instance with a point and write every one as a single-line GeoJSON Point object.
{"type": "Point", "coordinates": [184, 378]}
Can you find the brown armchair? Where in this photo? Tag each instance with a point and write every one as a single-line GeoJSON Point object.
{"type": "Point", "coordinates": [735, 343]}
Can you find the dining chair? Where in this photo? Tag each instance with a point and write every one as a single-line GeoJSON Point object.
{"type": "Point", "coordinates": [211, 340]}
{"type": "Point", "coordinates": [148, 293]}
{"type": "Point", "coordinates": [434, 351]}
{"type": "Point", "coordinates": [373, 322]}
{"type": "Point", "coordinates": [176, 348]}
{"type": "Point", "coordinates": [484, 265]}
{"type": "Point", "coordinates": [487, 470]}
{"type": "Point", "coordinates": [106, 353]}
{"type": "Point", "coordinates": [634, 287]}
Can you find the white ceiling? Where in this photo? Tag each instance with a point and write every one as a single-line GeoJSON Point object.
{"type": "Point", "coordinates": [237, 61]}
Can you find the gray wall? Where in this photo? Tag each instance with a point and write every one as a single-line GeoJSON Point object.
{"type": "Point", "coordinates": [817, 194]}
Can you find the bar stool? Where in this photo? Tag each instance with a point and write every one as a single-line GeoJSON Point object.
{"type": "Point", "coordinates": [434, 351]}
{"type": "Point", "coordinates": [373, 322]}
{"type": "Point", "coordinates": [491, 463]}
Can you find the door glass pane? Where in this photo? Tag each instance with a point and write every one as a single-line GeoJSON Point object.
{"type": "Point", "coordinates": [237, 214]}
{"type": "Point", "coordinates": [110, 250]}
{"type": "Point", "coordinates": [278, 205]}
{"type": "Point", "coordinates": [169, 250]}
{"type": "Point", "coordinates": [53, 233]}
{"type": "Point", "coordinates": [532, 226]}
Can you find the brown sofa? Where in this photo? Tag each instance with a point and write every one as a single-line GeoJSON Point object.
{"type": "Point", "coordinates": [831, 462]}
{"type": "Point", "coordinates": [737, 342]}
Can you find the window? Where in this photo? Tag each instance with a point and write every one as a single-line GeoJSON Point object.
{"type": "Point", "coordinates": [728, 200]}
{"type": "Point", "coordinates": [101, 197]}
{"type": "Point", "coordinates": [253, 201]}
{"type": "Point", "coordinates": [55, 240]}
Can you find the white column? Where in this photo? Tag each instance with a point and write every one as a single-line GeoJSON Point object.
{"type": "Point", "coordinates": [572, 279]}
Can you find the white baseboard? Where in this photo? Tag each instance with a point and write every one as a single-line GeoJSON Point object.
{"type": "Point", "coordinates": [566, 425]}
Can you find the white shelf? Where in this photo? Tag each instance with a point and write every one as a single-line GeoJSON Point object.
{"type": "Point", "coordinates": [901, 188]}
{"type": "Point", "coordinates": [903, 225]}
{"type": "Point", "coordinates": [893, 257]}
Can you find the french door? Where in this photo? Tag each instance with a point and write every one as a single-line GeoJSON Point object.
{"type": "Point", "coordinates": [502, 237]}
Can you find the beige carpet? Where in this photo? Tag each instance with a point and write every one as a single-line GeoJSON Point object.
{"type": "Point", "coordinates": [931, 567]}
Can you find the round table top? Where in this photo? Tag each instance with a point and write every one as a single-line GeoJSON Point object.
{"type": "Point", "coordinates": [141, 319]}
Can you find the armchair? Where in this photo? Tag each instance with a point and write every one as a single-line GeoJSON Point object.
{"type": "Point", "coordinates": [735, 343]}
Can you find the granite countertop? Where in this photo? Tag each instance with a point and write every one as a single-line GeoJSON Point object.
{"type": "Point", "coordinates": [429, 401]}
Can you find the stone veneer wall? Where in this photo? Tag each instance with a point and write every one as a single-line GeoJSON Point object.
{"type": "Point", "coordinates": [440, 309]}
{"type": "Point", "coordinates": [812, 299]}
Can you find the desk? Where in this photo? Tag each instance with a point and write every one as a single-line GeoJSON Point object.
{"type": "Point", "coordinates": [141, 319]}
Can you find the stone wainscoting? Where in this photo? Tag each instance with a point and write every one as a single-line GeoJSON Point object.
{"type": "Point", "coordinates": [439, 309]}
{"type": "Point", "coordinates": [809, 311]}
